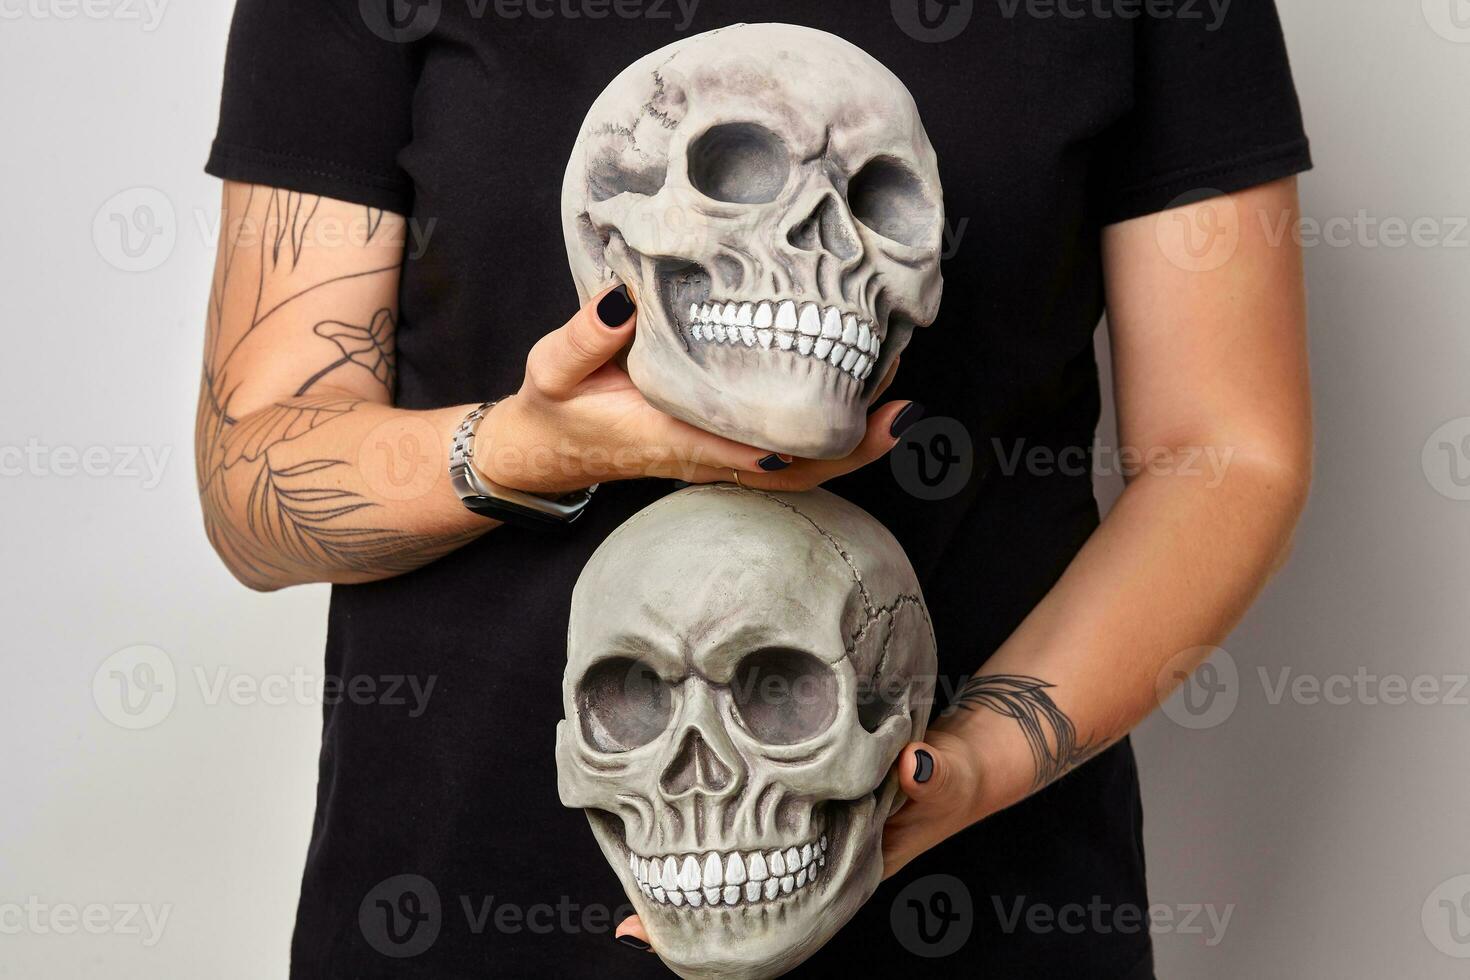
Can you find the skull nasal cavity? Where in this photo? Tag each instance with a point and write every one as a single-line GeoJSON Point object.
{"type": "Point", "coordinates": [826, 228]}
{"type": "Point", "coordinates": [694, 767]}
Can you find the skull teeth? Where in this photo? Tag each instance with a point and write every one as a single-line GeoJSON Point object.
{"type": "Point", "coordinates": [843, 339]}
{"type": "Point", "coordinates": [728, 878]}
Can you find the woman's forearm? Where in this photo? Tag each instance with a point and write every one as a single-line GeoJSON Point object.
{"type": "Point", "coordinates": [329, 487]}
{"type": "Point", "coordinates": [1172, 568]}
{"type": "Point", "coordinates": [1214, 358]}
{"type": "Point", "coordinates": [307, 473]}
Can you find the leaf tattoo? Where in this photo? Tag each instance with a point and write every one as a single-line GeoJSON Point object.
{"type": "Point", "coordinates": [253, 438]}
{"type": "Point", "coordinates": [277, 520]}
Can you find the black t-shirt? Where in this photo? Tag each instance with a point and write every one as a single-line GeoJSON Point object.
{"type": "Point", "coordinates": [1046, 129]}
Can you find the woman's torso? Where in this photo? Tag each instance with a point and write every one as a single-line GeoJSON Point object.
{"type": "Point", "coordinates": [461, 795]}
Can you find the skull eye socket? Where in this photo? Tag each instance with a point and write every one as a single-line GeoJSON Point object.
{"type": "Point", "coordinates": [739, 163]}
{"type": "Point", "coordinates": [784, 696]}
{"type": "Point", "coordinates": [889, 198]}
{"type": "Point", "coordinates": [623, 704]}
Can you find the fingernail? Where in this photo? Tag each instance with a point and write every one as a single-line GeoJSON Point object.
{"type": "Point", "coordinates": [923, 766]}
{"type": "Point", "coordinates": [616, 308]}
{"type": "Point", "coordinates": [775, 463]}
{"type": "Point", "coordinates": [911, 413]}
{"type": "Point", "coordinates": [628, 939]}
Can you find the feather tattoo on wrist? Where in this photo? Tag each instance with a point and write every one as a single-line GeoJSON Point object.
{"type": "Point", "coordinates": [1050, 733]}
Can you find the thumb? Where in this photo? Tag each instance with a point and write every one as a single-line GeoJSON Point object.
{"type": "Point", "coordinates": [924, 772]}
{"type": "Point", "coordinates": [562, 359]}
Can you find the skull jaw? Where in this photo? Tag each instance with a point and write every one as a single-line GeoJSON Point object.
{"type": "Point", "coordinates": [769, 940]}
{"type": "Point", "coordinates": [799, 407]}
{"type": "Point", "coordinates": [769, 399]}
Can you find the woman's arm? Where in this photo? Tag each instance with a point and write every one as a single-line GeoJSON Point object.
{"type": "Point", "coordinates": [1211, 359]}
{"type": "Point", "coordinates": [307, 473]}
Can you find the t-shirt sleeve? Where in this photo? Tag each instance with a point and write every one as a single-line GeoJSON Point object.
{"type": "Point", "coordinates": [315, 101]}
{"type": "Point", "coordinates": [1215, 111]}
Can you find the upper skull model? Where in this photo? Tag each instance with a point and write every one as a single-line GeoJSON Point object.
{"type": "Point", "coordinates": [770, 196]}
{"type": "Point", "coordinates": [743, 668]}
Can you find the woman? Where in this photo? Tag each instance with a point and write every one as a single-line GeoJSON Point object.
{"type": "Point", "coordinates": [391, 258]}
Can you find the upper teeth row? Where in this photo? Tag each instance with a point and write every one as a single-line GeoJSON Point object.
{"type": "Point", "coordinates": [716, 878]}
{"type": "Point", "coordinates": [843, 340]}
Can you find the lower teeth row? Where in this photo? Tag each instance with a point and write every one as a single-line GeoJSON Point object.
{"type": "Point", "coordinates": [751, 891]}
{"type": "Point", "coordinates": [729, 878]}
{"type": "Point", "coordinates": [850, 360]}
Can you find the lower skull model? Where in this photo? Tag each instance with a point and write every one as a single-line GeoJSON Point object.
{"type": "Point", "coordinates": [771, 197]}
{"type": "Point", "coordinates": [743, 670]}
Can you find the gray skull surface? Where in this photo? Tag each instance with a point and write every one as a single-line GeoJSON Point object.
{"type": "Point", "coordinates": [771, 197]}
{"type": "Point", "coordinates": [743, 668]}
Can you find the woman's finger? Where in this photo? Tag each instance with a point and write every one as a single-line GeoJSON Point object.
{"type": "Point", "coordinates": [630, 932]}
{"type": "Point", "coordinates": [563, 358]}
{"type": "Point", "coordinates": [885, 427]}
{"type": "Point", "coordinates": [694, 456]}
{"type": "Point", "coordinates": [924, 772]}
{"type": "Point", "coordinates": [669, 442]}
{"type": "Point", "coordinates": [925, 777]}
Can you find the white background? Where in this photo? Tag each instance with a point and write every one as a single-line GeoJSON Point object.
{"type": "Point", "coordinates": [1330, 833]}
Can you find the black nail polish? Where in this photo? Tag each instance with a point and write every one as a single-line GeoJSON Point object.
{"type": "Point", "coordinates": [616, 308]}
{"type": "Point", "coordinates": [923, 766]}
{"type": "Point", "coordinates": [628, 939]}
{"type": "Point", "coordinates": [911, 413]}
{"type": "Point", "coordinates": [774, 463]}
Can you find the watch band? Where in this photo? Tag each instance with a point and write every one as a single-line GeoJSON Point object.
{"type": "Point", "coordinates": [490, 499]}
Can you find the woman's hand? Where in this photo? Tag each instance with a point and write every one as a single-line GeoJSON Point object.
{"type": "Point", "coordinates": [941, 776]}
{"type": "Point", "coordinates": [578, 420]}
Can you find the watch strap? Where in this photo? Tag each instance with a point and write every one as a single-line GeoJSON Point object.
{"type": "Point", "coordinates": [490, 499]}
